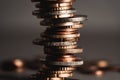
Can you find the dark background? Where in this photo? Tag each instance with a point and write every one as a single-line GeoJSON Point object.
{"type": "Point", "coordinates": [100, 36]}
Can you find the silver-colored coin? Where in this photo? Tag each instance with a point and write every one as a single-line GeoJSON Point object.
{"type": "Point", "coordinates": [61, 12]}
{"type": "Point", "coordinates": [76, 35]}
{"type": "Point", "coordinates": [59, 24]}
{"type": "Point", "coordinates": [75, 18]}
{"type": "Point", "coordinates": [60, 63]}
{"type": "Point", "coordinates": [55, 4]}
{"type": "Point", "coordinates": [59, 43]}
{"type": "Point", "coordinates": [63, 51]}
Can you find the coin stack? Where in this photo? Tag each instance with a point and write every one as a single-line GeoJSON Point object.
{"type": "Point", "coordinates": [59, 39]}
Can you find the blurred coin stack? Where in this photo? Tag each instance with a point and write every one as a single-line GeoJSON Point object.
{"type": "Point", "coordinates": [59, 39]}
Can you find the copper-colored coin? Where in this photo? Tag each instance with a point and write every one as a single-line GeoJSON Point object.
{"type": "Point", "coordinates": [63, 58]}
{"type": "Point", "coordinates": [67, 58]}
{"type": "Point", "coordinates": [54, 74]}
{"type": "Point", "coordinates": [62, 51]}
{"type": "Point", "coordinates": [76, 35]}
{"type": "Point", "coordinates": [56, 4]}
{"type": "Point", "coordinates": [59, 24]}
{"type": "Point", "coordinates": [53, 78]}
{"type": "Point", "coordinates": [58, 29]}
{"type": "Point", "coordinates": [53, 0]}
{"type": "Point", "coordinates": [54, 16]}
{"type": "Point", "coordinates": [60, 33]}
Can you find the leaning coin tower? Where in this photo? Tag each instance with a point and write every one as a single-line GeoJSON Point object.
{"type": "Point", "coordinates": [59, 39]}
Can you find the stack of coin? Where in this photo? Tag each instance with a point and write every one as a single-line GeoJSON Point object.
{"type": "Point", "coordinates": [59, 39]}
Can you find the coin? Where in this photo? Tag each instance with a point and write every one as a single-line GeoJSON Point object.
{"type": "Point", "coordinates": [62, 51]}
{"type": "Point", "coordinates": [54, 74]}
{"type": "Point", "coordinates": [61, 68]}
{"type": "Point", "coordinates": [67, 43]}
{"type": "Point", "coordinates": [55, 31]}
{"type": "Point", "coordinates": [54, 78]}
{"type": "Point", "coordinates": [60, 63]}
{"type": "Point", "coordinates": [58, 68]}
{"type": "Point", "coordinates": [68, 11]}
{"type": "Point", "coordinates": [53, 4]}
{"type": "Point", "coordinates": [55, 16]}
{"type": "Point", "coordinates": [51, 78]}
{"type": "Point", "coordinates": [37, 41]}
{"type": "Point", "coordinates": [44, 23]}
{"type": "Point", "coordinates": [61, 36]}
{"type": "Point", "coordinates": [62, 47]}
{"type": "Point", "coordinates": [53, 0]}
{"type": "Point", "coordinates": [41, 13]}
{"type": "Point", "coordinates": [60, 29]}
{"type": "Point", "coordinates": [75, 18]}
{"type": "Point", "coordinates": [64, 58]}
{"type": "Point", "coordinates": [74, 26]}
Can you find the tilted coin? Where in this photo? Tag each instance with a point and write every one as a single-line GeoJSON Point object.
{"type": "Point", "coordinates": [75, 18]}
{"type": "Point", "coordinates": [55, 16]}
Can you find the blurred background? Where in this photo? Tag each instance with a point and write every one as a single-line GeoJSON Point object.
{"type": "Point", "coordinates": [100, 37]}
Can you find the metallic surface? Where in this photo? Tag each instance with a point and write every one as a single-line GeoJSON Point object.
{"type": "Point", "coordinates": [59, 39]}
